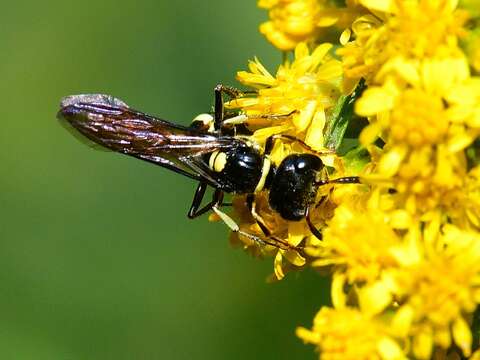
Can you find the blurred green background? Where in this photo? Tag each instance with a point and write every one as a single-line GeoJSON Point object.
{"type": "Point", "coordinates": [97, 257]}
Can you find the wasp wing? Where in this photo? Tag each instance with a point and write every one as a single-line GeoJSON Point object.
{"type": "Point", "coordinates": [110, 123]}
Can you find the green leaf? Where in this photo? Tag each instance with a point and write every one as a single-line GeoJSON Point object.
{"type": "Point", "coordinates": [473, 154]}
{"type": "Point", "coordinates": [476, 329]}
{"type": "Point", "coordinates": [356, 159]}
{"type": "Point", "coordinates": [341, 117]}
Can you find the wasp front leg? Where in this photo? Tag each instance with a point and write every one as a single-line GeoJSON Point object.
{"type": "Point", "coordinates": [219, 109]}
{"type": "Point", "coordinates": [221, 122]}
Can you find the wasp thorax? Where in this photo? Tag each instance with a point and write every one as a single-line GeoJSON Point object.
{"type": "Point", "coordinates": [239, 168]}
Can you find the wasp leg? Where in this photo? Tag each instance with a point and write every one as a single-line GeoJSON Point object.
{"type": "Point", "coordinates": [271, 141]}
{"type": "Point", "coordinates": [235, 228]}
{"type": "Point", "coordinates": [277, 242]}
{"type": "Point", "coordinates": [243, 118]}
{"type": "Point", "coordinates": [219, 110]}
{"type": "Point", "coordinates": [195, 210]}
{"type": "Point", "coordinates": [233, 93]}
{"type": "Point", "coordinates": [312, 227]}
{"type": "Point", "coordinates": [213, 205]}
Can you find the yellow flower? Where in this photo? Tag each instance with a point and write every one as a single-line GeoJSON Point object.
{"type": "Point", "coordinates": [294, 21]}
{"type": "Point", "coordinates": [305, 88]}
{"type": "Point", "coordinates": [404, 247]}
{"type": "Point", "coordinates": [437, 285]}
{"type": "Point", "coordinates": [427, 115]}
{"type": "Point", "coordinates": [358, 239]}
{"type": "Point", "coordinates": [296, 102]}
{"type": "Point", "coordinates": [416, 30]}
{"type": "Point", "coordinates": [349, 333]}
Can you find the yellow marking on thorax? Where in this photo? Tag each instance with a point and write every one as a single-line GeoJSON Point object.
{"type": "Point", "coordinates": [207, 120]}
{"type": "Point", "coordinates": [265, 170]}
{"type": "Point", "coordinates": [217, 161]}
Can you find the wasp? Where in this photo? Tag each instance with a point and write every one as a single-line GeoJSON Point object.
{"type": "Point", "coordinates": [214, 151]}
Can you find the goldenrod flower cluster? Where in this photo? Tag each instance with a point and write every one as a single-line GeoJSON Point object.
{"type": "Point", "coordinates": [402, 247]}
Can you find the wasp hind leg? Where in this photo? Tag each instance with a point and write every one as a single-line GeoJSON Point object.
{"type": "Point", "coordinates": [236, 229]}
{"type": "Point", "coordinates": [214, 205]}
{"type": "Point", "coordinates": [271, 239]}
{"type": "Point", "coordinates": [217, 200]}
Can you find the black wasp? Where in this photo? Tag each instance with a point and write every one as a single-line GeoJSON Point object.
{"type": "Point", "coordinates": [212, 151]}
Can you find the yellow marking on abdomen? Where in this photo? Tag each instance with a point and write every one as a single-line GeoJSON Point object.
{"type": "Point", "coordinates": [217, 161]}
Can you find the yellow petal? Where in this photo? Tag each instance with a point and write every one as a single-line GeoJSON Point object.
{"type": "Point", "coordinates": [462, 335]}
{"type": "Point", "coordinates": [410, 252]}
{"type": "Point", "coordinates": [277, 266]}
{"type": "Point", "coordinates": [345, 36]}
{"type": "Point", "coordinates": [277, 38]}
{"type": "Point", "coordinates": [475, 355]}
{"type": "Point", "coordinates": [320, 51]}
{"type": "Point", "coordinates": [374, 298]}
{"type": "Point", "coordinates": [301, 51]}
{"type": "Point", "coordinates": [369, 134]}
{"type": "Point", "coordinates": [380, 5]}
{"type": "Point", "coordinates": [423, 344]}
{"type": "Point", "coordinates": [460, 141]}
{"type": "Point", "coordinates": [339, 298]}
{"type": "Point", "coordinates": [406, 69]}
{"type": "Point", "coordinates": [307, 336]}
{"type": "Point", "coordinates": [330, 70]}
{"type": "Point", "coordinates": [474, 120]}
{"type": "Point", "coordinates": [314, 136]}
{"type": "Point", "coordinates": [442, 337]}
{"type": "Point", "coordinates": [373, 101]}
{"type": "Point", "coordinates": [260, 68]}
{"type": "Point", "coordinates": [402, 320]}
{"type": "Point", "coordinates": [390, 162]}
{"type": "Point", "coordinates": [302, 120]}
{"type": "Point", "coordinates": [296, 232]}
{"type": "Point", "coordinates": [400, 219]}
{"type": "Point", "coordinates": [329, 17]}
{"type": "Point", "coordinates": [294, 258]}
{"type": "Point", "coordinates": [432, 229]}
{"type": "Point", "coordinates": [389, 349]}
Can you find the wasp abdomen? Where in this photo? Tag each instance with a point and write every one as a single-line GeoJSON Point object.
{"type": "Point", "coordinates": [292, 189]}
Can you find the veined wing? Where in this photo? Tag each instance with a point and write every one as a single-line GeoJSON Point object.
{"type": "Point", "coordinates": [109, 122]}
